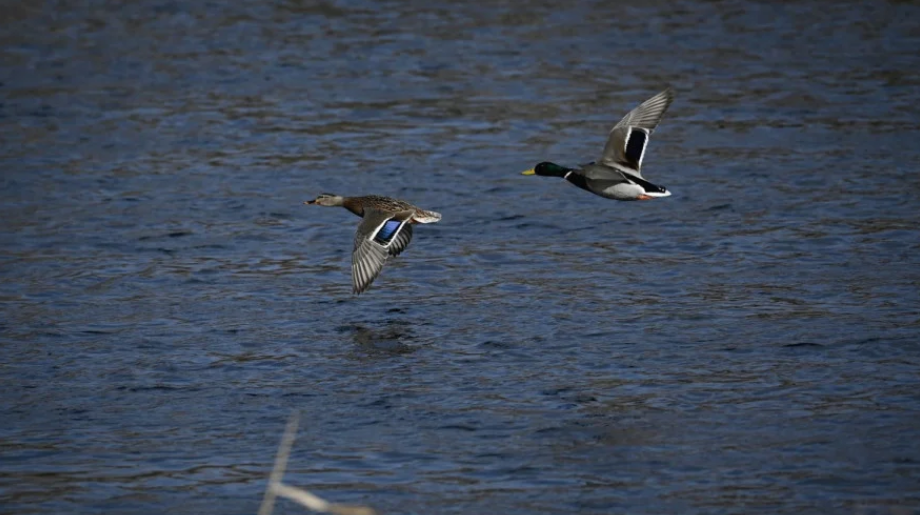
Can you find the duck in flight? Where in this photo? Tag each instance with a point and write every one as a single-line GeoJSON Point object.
{"type": "Point", "coordinates": [618, 173]}
{"type": "Point", "coordinates": [384, 232]}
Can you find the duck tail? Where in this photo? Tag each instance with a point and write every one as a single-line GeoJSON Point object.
{"type": "Point", "coordinates": [426, 217]}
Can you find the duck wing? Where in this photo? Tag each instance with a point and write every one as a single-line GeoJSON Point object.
{"type": "Point", "coordinates": [400, 240]}
{"type": "Point", "coordinates": [628, 139]}
{"type": "Point", "coordinates": [377, 238]}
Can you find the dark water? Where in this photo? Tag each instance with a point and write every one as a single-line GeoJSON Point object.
{"type": "Point", "coordinates": [748, 345]}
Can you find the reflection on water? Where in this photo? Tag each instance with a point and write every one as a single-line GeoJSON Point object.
{"type": "Point", "coordinates": [750, 343]}
{"type": "Point", "coordinates": [393, 337]}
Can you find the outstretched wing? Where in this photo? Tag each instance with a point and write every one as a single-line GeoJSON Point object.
{"type": "Point", "coordinates": [369, 256]}
{"type": "Point", "coordinates": [379, 236]}
{"type": "Point", "coordinates": [628, 139]}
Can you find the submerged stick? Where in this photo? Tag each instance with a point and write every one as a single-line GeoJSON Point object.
{"type": "Point", "coordinates": [310, 501]}
{"type": "Point", "coordinates": [304, 498]}
{"type": "Point", "coordinates": [281, 459]}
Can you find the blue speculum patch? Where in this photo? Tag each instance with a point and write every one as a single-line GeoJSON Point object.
{"type": "Point", "coordinates": [385, 234]}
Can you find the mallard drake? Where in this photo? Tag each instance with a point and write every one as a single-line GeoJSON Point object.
{"type": "Point", "coordinates": [385, 231]}
{"type": "Point", "coordinates": [617, 176]}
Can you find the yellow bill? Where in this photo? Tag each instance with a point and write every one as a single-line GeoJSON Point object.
{"type": "Point", "coordinates": [528, 172]}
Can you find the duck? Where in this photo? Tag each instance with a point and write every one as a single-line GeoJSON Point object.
{"type": "Point", "coordinates": [618, 174]}
{"type": "Point", "coordinates": [384, 232]}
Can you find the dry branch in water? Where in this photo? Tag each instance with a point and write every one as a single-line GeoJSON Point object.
{"type": "Point", "coordinates": [312, 502]}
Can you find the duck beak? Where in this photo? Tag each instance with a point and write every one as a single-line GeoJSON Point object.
{"type": "Point", "coordinates": [528, 172]}
{"type": "Point", "coordinates": [310, 202]}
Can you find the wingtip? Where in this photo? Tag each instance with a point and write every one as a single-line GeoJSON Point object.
{"type": "Point", "coordinates": [668, 94]}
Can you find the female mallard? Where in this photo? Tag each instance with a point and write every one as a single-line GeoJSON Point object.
{"type": "Point", "coordinates": [384, 232]}
{"type": "Point", "coordinates": [617, 175]}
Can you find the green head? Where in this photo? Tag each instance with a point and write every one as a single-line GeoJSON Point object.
{"type": "Point", "coordinates": [327, 199]}
{"type": "Point", "coordinates": [547, 169]}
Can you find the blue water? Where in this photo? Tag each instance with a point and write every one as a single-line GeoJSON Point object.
{"type": "Point", "coordinates": [750, 344]}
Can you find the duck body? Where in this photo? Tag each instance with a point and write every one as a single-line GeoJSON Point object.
{"type": "Point", "coordinates": [613, 183]}
{"type": "Point", "coordinates": [605, 181]}
{"type": "Point", "coordinates": [617, 175]}
{"type": "Point", "coordinates": [384, 232]}
{"type": "Point", "coordinates": [400, 208]}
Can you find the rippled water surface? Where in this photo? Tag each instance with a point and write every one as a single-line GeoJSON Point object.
{"type": "Point", "coordinates": [749, 345]}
